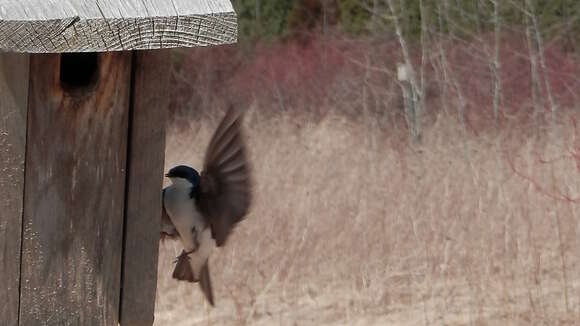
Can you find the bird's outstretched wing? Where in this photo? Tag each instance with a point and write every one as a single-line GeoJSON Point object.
{"type": "Point", "coordinates": [224, 193]}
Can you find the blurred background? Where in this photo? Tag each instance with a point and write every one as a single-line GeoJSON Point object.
{"type": "Point", "coordinates": [416, 162]}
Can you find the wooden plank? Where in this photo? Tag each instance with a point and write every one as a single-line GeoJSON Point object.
{"type": "Point", "coordinates": [145, 180]}
{"type": "Point", "coordinates": [13, 106]}
{"type": "Point", "coordinates": [74, 195]}
{"type": "Point", "coordinates": [50, 26]}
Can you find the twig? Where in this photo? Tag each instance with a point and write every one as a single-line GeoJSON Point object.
{"type": "Point", "coordinates": [556, 196]}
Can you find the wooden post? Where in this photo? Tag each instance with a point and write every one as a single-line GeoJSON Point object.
{"type": "Point", "coordinates": [13, 106]}
{"type": "Point", "coordinates": [146, 154]}
{"type": "Point", "coordinates": [82, 140]}
{"type": "Point", "coordinates": [74, 193]}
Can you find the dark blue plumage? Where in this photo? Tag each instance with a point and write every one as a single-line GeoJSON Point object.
{"type": "Point", "coordinates": [188, 173]}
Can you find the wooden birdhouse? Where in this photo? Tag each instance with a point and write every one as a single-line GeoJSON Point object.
{"type": "Point", "coordinates": [83, 99]}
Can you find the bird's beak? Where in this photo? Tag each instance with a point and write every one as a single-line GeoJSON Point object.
{"type": "Point", "coordinates": [167, 175]}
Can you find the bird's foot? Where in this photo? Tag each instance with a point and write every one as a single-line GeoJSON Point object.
{"type": "Point", "coordinates": [184, 255]}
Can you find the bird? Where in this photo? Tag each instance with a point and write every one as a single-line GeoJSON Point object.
{"type": "Point", "coordinates": [201, 210]}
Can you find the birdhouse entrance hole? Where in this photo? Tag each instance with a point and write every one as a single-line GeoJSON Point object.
{"type": "Point", "coordinates": [78, 70]}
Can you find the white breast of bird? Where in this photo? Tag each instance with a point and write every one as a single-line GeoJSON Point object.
{"type": "Point", "coordinates": [194, 231]}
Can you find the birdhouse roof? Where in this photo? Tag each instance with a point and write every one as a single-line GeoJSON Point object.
{"type": "Point", "coordinates": [54, 26]}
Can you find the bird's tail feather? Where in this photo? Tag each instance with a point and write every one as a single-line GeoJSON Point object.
{"type": "Point", "coordinates": [184, 272]}
{"type": "Point", "coordinates": [205, 283]}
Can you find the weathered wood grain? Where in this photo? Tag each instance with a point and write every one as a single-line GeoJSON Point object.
{"type": "Point", "coordinates": [13, 106]}
{"type": "Point", "coordinates": [145, 174]}
{"type": "Point", "coordinates": [74, 195]}
{"type": "Point", "coordinates": [49, 26]}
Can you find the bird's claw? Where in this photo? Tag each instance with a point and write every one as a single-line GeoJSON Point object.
{"type": "Point", "coordinates": [184, 255]}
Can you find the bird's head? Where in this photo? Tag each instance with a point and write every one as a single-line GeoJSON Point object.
{"type": "Point", "coordinates": [184, 176]}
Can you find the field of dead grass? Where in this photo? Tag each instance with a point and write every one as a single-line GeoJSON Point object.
{"type": "Point", "coordinates": [353, 224]}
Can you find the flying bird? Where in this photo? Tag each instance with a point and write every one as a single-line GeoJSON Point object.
{"type": "Point", "coordinates": [201, 210]}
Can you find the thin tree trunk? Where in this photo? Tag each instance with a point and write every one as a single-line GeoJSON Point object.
{"type": "Point", "coordinates": [535, 82]}
{"type": "Point", "coordinates": [477, 16]}
{"type": "Point", "coordinates": [539, 43]}
{"type": "Point", "coordinates": [324, 17]}
{"type": "Point", "coordinates": [446, 16]}
{"type": "Point", "coordinates": [443, 61]}
{"type": "Point", "coordinates": [374, 16]}
{"type": "Point", "coordinates": [424, 48]}
{"type": "Point", "coordinates": [402, 17]}
{"type": "Point", "coordinates": [496, 65]}
{"type": "Point", "coordinates": [415, 96]}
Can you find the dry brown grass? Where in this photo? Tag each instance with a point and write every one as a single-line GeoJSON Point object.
{"type": "Point", "coordinates": [348, 229]}
{"type": "Point", "coordinates": [352, 224]}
